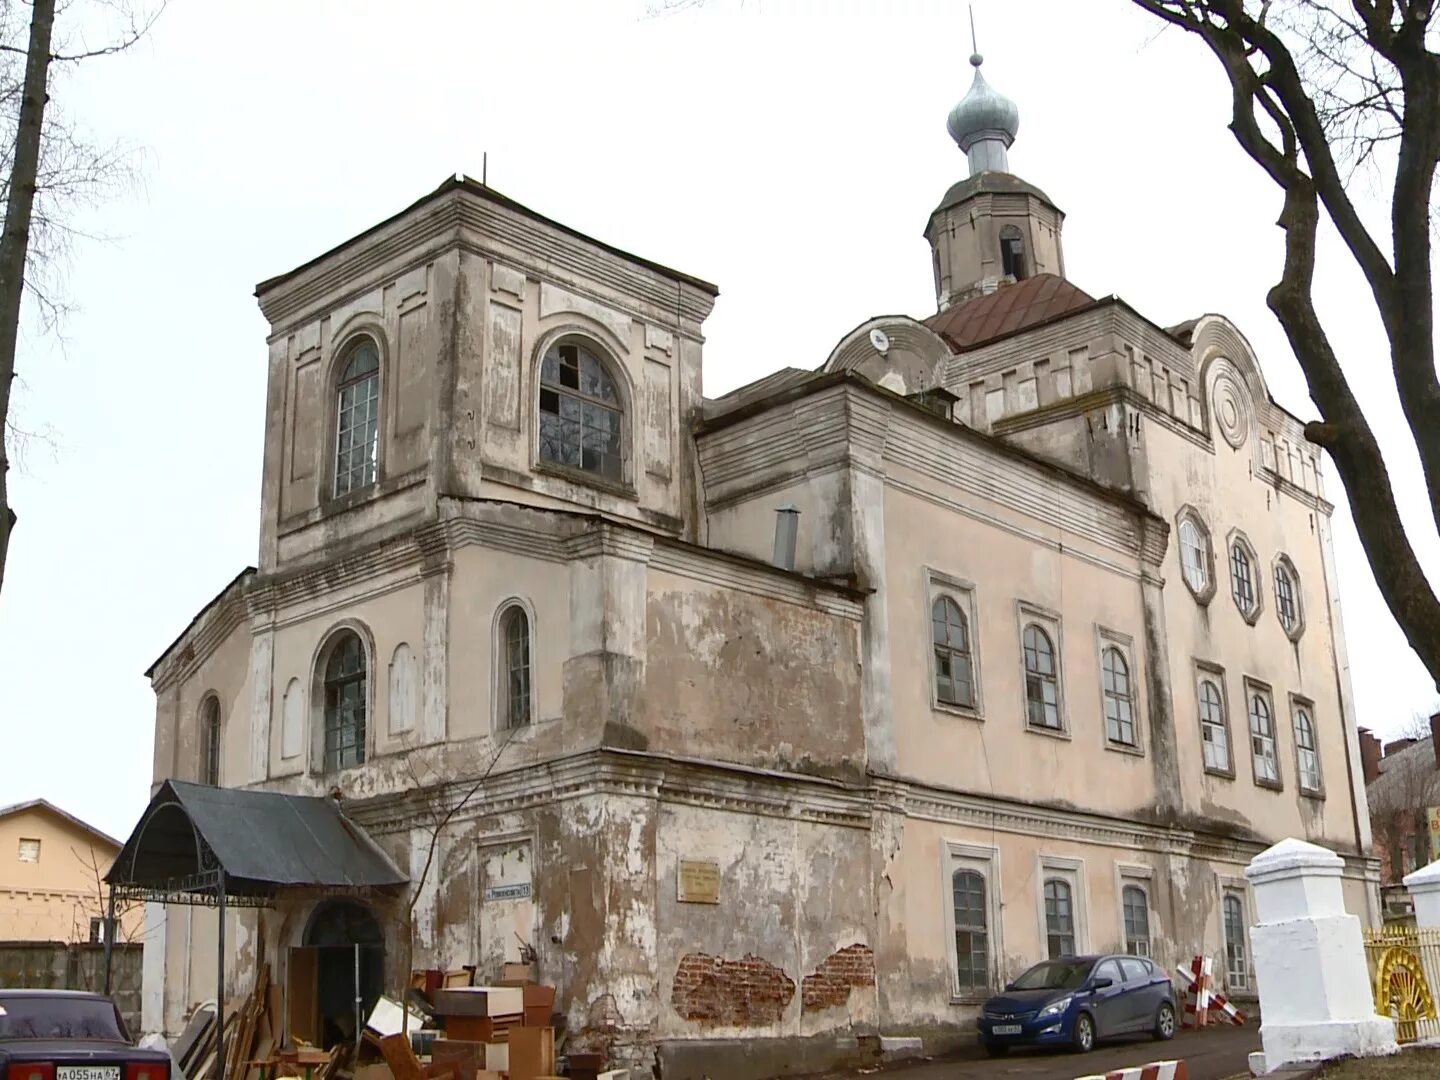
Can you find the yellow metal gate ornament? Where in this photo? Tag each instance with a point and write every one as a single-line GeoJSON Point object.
{"type": "Point", "coordinates": [1402, 991]}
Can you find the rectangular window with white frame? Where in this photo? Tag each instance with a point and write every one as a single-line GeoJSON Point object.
{"type": "Point", "coordinates": [1119, 690]}
{"type": "Point", "coordinates": [1042, 672]}
{"type": "Point", "coordinates": [1134, 885]}
{"type": "Point", "coordinates": [1062, 906]}
{"type": "Point", "coordinates": [954, 645]}
{"type": "Point", "coordinates": [1213, 707]}
{"type": "Point", "coordinates": [1307, 747]}
{"type": "Point", "coordinates": [1264, 738]}
{"type": "Point", "coordinates": [972, 914]}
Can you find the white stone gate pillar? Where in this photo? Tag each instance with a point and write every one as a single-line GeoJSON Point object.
{"type": "Point", "coordinates": [1315, 1000]}
{"type": "Point", "coordinates": [1423, 885]}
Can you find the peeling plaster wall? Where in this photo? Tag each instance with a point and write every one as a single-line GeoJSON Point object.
{"type": "Point", "coordinates": [737, 677]}
{"type": "Point", "coordinates": [484, 581]}
{"type": "Point", "coordinates": [823, 545]}
{"type": "Point", "coordinates": [407, 311]}
{"type": "Point", "coordinates": [515, 310]}
{"type": "Point", "coordinates": [792, 895]}
{"type": "Point", "coordinates": [179, 746]}
{"type": "Point", "coordinates": [917, 964]}
{"type": "Point", "coordinates": [386, 612]}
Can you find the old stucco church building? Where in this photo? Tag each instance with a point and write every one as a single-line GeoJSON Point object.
{"type": "Point", "coordinates": [812, 712]}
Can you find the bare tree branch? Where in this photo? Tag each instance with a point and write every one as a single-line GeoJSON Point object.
{"type": "Point", "coordinates": [1327, 75]}
{"type": "Point", "coordinates": [47, 172]}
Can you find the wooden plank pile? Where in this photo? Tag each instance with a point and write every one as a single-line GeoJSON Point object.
{"type": "Point", "coordinates": [253, 1030]}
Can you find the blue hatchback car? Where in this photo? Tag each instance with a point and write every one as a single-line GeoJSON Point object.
{"type": "Point", "coordinates": [1075, 1000]}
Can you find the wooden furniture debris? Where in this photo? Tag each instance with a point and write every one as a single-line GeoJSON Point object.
{"type": "Point", "coordinates": [584, 1065]}
{"type": "Point", "coordinates": [406, 1066]}
{"type": "Point", "coordinates": [500, 1029]}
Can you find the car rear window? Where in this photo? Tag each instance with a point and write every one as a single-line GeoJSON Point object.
{"type": "Point", "coordinates": [59, 1018]}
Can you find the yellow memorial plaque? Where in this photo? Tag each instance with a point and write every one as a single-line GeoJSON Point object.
{"type": "Point", "coordinates": [699, 881]}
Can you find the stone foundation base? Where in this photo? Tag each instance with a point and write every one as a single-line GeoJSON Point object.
{"type": "Point", "coordinates": [1290, 1044]}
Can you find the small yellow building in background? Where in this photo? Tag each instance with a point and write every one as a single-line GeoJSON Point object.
{"type": "Point", "coordinates": [51, 866]}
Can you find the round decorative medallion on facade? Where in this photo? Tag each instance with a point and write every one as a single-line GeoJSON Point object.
{"type": "Point", "coordinates": [1230, 407]}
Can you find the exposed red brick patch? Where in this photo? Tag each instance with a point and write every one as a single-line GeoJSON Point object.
{"type": "Point", "coordinates": [734, 993]}
{"type": "Point", "coordinates": [829, 985]}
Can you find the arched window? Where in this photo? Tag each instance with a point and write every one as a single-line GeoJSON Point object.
{"type": "Point", "coordinates": [1242, 578]}
{"type": "Point", "coordinates": [1236, 968]}
{"type": "Point", "coordinates": [580, 412]}
{"type": "Point", "coordinates": [1213, 734]}
{"type": "Point", "coordinates": [1012, 253]}
{"type": "Point", "coordinates": [346, 694]}
{"type": "Point", "coordinates": [1306, 751]}
{"type": "Point", "coordinates": [1042, 690]}
{"type": "Point", "coordinates": [1137, 920]}
{"type": "Point", "coordinates": [1287, 598]}
{"type": "Point", "coordinates": [950, 634]}
{"type": "Point", "coordinates": [210, 741]}
{"type": "Point", "coordinates": [1194, 556]}
{"type": "Point", "coordinates": [1059, 919]}
{"type": "Point", "coordinates": [515, 667]}
{"type": "Point", "coordinates": [357, 419]}
{"type": "Point", "coordinates": [1262, 741]}
{"type": "Point", "coordinates": [972, 948]}
{"type": "Point", "coordinates": [1119, 707]}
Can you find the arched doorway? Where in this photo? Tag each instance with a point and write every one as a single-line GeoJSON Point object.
{"type": "Point", "coordinates": [342, 944]}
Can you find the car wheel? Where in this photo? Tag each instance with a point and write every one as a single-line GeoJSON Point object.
{"type": "Point", "coordinates": [996, 1049]}
{"type": "Point", "coordinates": [1084, 1036]}
{"type": "Point", "coordinates": [1165, 1022]}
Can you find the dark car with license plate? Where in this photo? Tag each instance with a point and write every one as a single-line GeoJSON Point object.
{"type": "Point", "coordinates": [1075, 1000]}
{"type": "Point", "coordinates": [70, 1035]}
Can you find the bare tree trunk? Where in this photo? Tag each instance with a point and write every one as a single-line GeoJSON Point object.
{"type": "Point", "coordinates": [15, 241]}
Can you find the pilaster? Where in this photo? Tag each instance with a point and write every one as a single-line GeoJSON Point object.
{"type": "Point", "coordinates": [262, 678]}
{"type": "Point", "coordinates": [1159, 698]}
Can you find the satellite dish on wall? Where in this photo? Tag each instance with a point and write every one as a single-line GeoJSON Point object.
{"type": "Point", "coordinates": [880, 340]}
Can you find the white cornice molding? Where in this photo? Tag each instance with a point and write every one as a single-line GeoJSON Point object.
{"type": "Point", "coordinates": [201, 640]}
{"type": "Point", "coordinates": [792, 796]}
{"type": "Point", "coordinates": [554, 536]}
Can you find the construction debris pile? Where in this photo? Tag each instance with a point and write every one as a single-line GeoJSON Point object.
{"type": "Point", "coordinates": [448, 1029]}
{"type": "Point", "coordinates": [252, 1030]}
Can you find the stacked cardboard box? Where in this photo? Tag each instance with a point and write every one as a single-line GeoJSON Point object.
{"type": "Point", "coordinates": [501, 1030]}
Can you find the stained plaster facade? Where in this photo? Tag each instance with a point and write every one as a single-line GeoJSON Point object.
{"type": "Point", "coordinates": [693, 701]}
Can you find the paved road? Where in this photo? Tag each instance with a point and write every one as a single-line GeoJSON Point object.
{"type": "Point", "coordinates": [1213, 1054]}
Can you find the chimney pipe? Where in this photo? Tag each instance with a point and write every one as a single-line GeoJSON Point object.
{"type": "Point", "coordinates": [1369, 756]}
{"type": "Point", "coordinates": [787, 527]}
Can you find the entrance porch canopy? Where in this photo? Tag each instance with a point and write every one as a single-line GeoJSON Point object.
{"type": "Point", "coordinates": [197, 844]}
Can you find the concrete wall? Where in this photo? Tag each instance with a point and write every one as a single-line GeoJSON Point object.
{"type": "Point", "coordinates": [47, 965]}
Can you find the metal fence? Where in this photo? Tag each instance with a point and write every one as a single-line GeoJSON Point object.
{"type": "Point", "coordinates": [1404, 965]}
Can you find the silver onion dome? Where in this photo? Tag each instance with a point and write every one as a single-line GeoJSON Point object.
{"type": "Point", "coordinates": [984, 124]}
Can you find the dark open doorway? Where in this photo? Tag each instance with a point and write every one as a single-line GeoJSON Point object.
{"type": "Point", "coordinates": [342, 939]}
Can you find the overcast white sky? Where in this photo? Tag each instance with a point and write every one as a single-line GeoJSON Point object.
{"type": "Point", "coordinates": [790, 152]}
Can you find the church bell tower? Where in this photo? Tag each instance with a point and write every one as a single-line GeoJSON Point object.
{"type": "Point", "coordinates": [992, 228]}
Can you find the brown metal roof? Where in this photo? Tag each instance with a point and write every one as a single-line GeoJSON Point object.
{"type": "Point", "coordinates": [1009, 308]}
